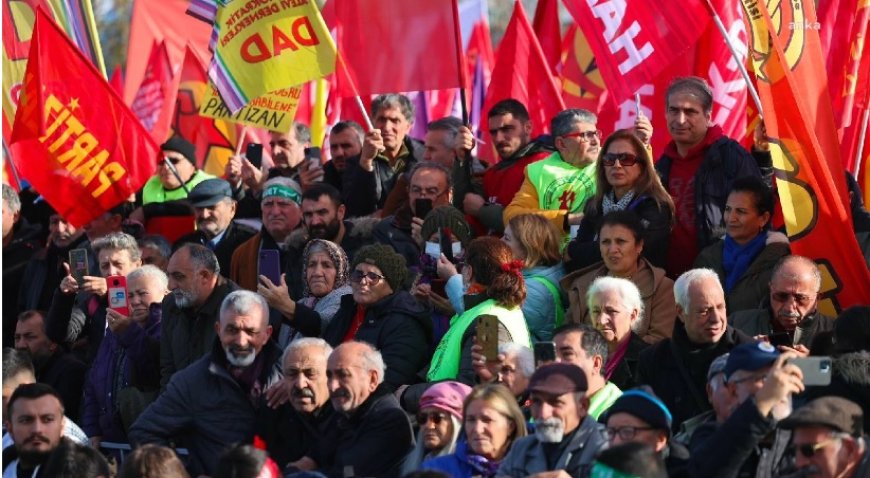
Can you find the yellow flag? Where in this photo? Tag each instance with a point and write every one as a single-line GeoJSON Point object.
{"type": "Point", "coordinates": [273, 111]}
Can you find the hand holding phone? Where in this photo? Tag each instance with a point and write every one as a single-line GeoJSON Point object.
{"type": "Point", "coordinates": [422, 207]}
{"type": "Point", "coordinates": [254, 154]}
{"type": "Point", "coordinates": [487, 335]}
{"type": "Point", "coordinates": [270, 265]}
{"type": "Point", "coordinates": [78, 264]}
{"type": "Point", "coordinates": [816, 370]}
{"type": "Point", "coordinates": [117, 294]}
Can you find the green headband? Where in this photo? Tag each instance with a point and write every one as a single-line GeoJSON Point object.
{"type": "Point", "coordinates": [283, 192]}
{"type": "Point", "coordinates": [600, 470]}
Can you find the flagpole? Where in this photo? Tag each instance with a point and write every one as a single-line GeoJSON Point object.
{"type": "Point", "coordinates": [342, 68]}
{"type": "Point", "coordinates": [740, 65]}
{"type": "Point", "coordinates": [241, 140]}
{"type": "Point", "coordinates": [457, 35]}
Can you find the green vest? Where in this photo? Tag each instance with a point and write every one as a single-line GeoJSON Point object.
{"type": "Point", "coordinates": [560, 185]}
{"type": "Point", "coordinates": [445, 360]}
{"type": "Point", "coordinates": [603, 399]}
{"type": "Point", "coordinates": [153, 190]}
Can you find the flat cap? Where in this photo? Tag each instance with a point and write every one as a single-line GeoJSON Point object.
{"type": "Point", "coordinates": [833, 412]}
{"type": "Point", "coordinates": [558, 379]}
{"type": "Point", "coordinates": [210, 192]}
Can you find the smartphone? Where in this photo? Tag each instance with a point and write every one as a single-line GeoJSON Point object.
{"type": "Point", "coordinates": [780, 338]}
{"type": "Point", "coordinates": [446, 245]}
{"type": "Point", "coordinates": [487, 335]}
{"type": "Point", "coordinates": [422, 207]}
{"type": "Point", "coordinates": [313, 155]}
{"type": "Point", "coordinates": [118, 294]}
{"type": "Point", "coordinates": [254, 154]}
{"type": "Point", "coordinates": [545, 352]}
{"type": "Point", "coordinates": [816, 370]}
{"type": "Point", "coordinates": [270, 265]}
{"type": "Point", "coordinates": [78, 265]}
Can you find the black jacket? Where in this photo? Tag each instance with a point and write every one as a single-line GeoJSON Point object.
{"type": "Point", "coordinates": [395, 231]}
{"type": "Point", "coordinates": [676, 370]}
{"type": "Point", "coordinates": [850, 379]}
{"type": "Point", "coordinates": [365, 192]}
{"type": "Point", "coordinates": [207, 408]}
{"type": "Point", "coordinates": [290, 435]}
{"type": "Point", "coordinates": [71, 323]}
{"type": "Point", "coordinates": [625, 374]}
{"type": "Point", "coordinates": [234, 236]}
{"type": "Point", "coordinates": [374, 439]}
{"type": "Point", "coordinates": [66, 374]}
{"type": "Point", "coordinates": [43, 275]}
{"type": "Point", "coordinates": [25, 242]}
{"type": "Point", "coordinates": [397, 325]}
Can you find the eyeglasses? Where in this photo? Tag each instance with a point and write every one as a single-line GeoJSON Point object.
{"type": "Point", "coordinates": [584, 136]}
{"type": "Point", "coordinates": [625, 159]}
{"type": "Point", "coordinates": [357, 276]}
{"type": "Point", "coordinates": [626, 433]}
{"type": "Point", "coordinates": [436, 417]}
{"type": "Point", "coordinates": [801, 299]}
{"type": "Point", "coordinates": [753, 377]}
{"type": "Point", "coordinates": [810, 449]}
{"type": "Point", "coordinates": [424, 193]}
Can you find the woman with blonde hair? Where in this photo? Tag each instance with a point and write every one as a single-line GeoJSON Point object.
{"type": "Point", "coordinates": [492, 421]}
{"type": "Point", "coordinates": [626, 180]}
{"type": "Point", "coordinates": [535, 241]}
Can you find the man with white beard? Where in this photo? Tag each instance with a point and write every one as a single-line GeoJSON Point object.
{"type": "Point", "coordinates": [566, 438]}
{"type": "Point", "coordinates": [215, 402]}
{"type": "Point", "coordinates": [761, 383]}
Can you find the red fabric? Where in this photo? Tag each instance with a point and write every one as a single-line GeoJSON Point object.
{"type": "Point", "coordinates": [500, 184]}
{"type": "Point", "coordinates": [87, 152]}
{"type": "Point", "coordinates": [581, 82]}
{"type": "Point", "coordinates": [156, 93]}
{"type": "Point", "coordinates": [547, 28]}
{"type": "Point", "coordinates": [683, 248]}
{"type": "Point", "coordinates": [616, 357]}
{"type": "Point", "coordinates": [355, 324]}
{"type": "Point", "coordinates": [521, 72]}
{"type": "Point", "coordinates": [800, 122]}
{"type": "Point", "coordinates": [117, 80]}
{"type": "Point", "coordinates": [391, 47]}
{"type": "Point", "coordinates": [850, 96]}
{"type": "Point", "coordinates": [843, 28]}
{"type": "Point", "coordinates": [634, 41]}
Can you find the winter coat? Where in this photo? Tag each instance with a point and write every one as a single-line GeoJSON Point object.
{"type": "Point", "coordinates": [753, 286]}
{"type": "Point", "coordinates": [364, 192]}
{"type": "Point", "coordinates": [395, 231]}
{"type": "Point", "coordinates": [129, 359]}
{"type": "Point", "coordinates": [527, 456]}
{"type": "Point", "coordinates": [77, 321]}
{"type": "Point", "coordinates": [233, 237]}
{"type": "Point", "coordinates": [26, 241]}
{"type": "Point", "coordinates": [756, 322]}
{"type": "Point", "coordinates": [850, 379]}
{"type": "Point", "coordinates": [290, 435]}
{"type": "Point", "coordinates": [625, 374]}
{"type": "Point", "coordinates": [676, 369]}
{"type": "Point", "coordinates": [456, 464]}
{"type": "Point", "coordinates": [207, 408]}
{"type": "Point", "coordinates": [540, 305]}
{"type": "Point", "coordinates": [656, 290]}
{"type": "Point", "coordinates": [397, 325]}
{"type": "Point", "coordinates": [43, 275]}
{"type": "Point", "coordinates": [66, 374]}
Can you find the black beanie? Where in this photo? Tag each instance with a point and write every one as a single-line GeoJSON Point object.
{"type": "Point", "coordinates": [181, 146]}
{"type": "Point", "coordinates": [391, 263]}
{"type": "Point", "coordinates": [449, 217]}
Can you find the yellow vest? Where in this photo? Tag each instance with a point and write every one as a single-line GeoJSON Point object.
{"type": "Point", "coordinates": [560, 185]}
{"type": "Point", "coordinates": [153, 191]}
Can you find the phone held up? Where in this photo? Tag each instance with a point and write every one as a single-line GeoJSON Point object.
{"type": "Point", "coordinates": [487, 335]}
{"type": "Point", "coordinates": [254, 154]}
{"type": "Point", "coordinates": [78, 264]}
{"type": "Point", "coordinates": [117, 294]}
{"type": "Point", "coordinates": [270, 265]}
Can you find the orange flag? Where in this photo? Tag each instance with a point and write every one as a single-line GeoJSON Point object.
{"type": "Point", "coordinates": [797, 112]}
{"type": "Point", "coordinates": [86, 151]}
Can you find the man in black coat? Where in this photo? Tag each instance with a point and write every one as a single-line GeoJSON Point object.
{"type": "Point", "coordinates": [20, 241]}
{"type": "Point", "coordinates": [676, 368]}
{"type": "Point", "coordinates": [370, 435]}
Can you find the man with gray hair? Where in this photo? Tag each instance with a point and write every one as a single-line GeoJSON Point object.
{"type": "Point", "coordinates": [387, 153]}
{"type": "Point", "coordinates": [791, 317]}
{"type": "Point", "coordinates": [370, 434]}
{"type": "Point", "coordinates": [20, 241]}
{"type": "Point", "coordinates": [676, 368]}
{"type": "Point", "coordinates": [215, 401]}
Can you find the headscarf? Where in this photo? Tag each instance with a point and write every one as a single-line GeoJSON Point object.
{"type": "Point", "coordinates": [339, 259]}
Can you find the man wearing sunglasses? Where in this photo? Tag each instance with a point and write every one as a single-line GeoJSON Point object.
{"type": "Point", "coordinates": [791, 317]}
{"type": "Point", "coordinates": [165, 186]}
{"type": "Point", "coordinates": [827, 437]}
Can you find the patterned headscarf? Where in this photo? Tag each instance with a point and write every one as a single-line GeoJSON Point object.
{"type": "Point", "coordinates": [335, 252]}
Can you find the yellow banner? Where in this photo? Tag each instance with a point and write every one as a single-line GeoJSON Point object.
{"type": "Point", "coordinates": [273, 111]}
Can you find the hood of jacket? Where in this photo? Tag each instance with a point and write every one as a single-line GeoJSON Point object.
{"type": "Point", "coordinates": [554, 273]}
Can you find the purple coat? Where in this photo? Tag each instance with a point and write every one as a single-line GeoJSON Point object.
{"type": "Point", "coordinates": [130, 359]}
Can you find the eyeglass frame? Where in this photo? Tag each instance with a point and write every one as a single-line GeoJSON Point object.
{"type": "Point", "coordinates": [584, 136]}
{"type": "Point", "coordinates": [808, 450]}
{"type": "Point", "coordinates": [356, 276]}
{"type": "Point", "coordinates": [799, 299]}
{"type": "Point", "coordinates": [612, 432]}
{"type": "Point", "coordinates": [436, 417]}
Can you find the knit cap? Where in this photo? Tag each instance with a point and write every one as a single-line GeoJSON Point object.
{"type": "Point", "coordinates": [182, 147]}
{"type": "Point", "coordinates": [391, 263]}
{"type": "Point", "coordinates": [446, 396]}
{"type": "Point", "coordinates": [449, 217]}
{"type": "Point", "coordinates": [644, 406]}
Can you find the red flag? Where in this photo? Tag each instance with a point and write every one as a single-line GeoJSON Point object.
{"type": "Point", "coordinates": [548, 31]}
{"type": "Point", "coordinates": [634, 41]}
{"type": "Point", "coordinates": [117, 80]}
{"type": "Point", "coordinates": [842, 30]}
{"type": "Point", "coordinates": [805, 149]}
{"type": "Point", "coordinates": [87, 152]}
{"type": "Point", "coordinates": [521, 72]}
{"type": "Point", "coordinates": [582, 85]}
{"type": "Point", "coordinates": [389, 48]}
{"type": "Point", "coordinates": [153, 93]}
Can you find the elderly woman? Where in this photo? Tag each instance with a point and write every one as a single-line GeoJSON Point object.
{"type": "Point", "coordinates": [535, 241]}
{"type": "Point", "coordinates": [126, 371]}
{"type": "Point", "coordinates": [325, 282]}
{"type": "Point", "coordinates": [616, 310]}
{"type": "Point", "coordinates": [492, 422]}
{"type": "Point", "coordinates": [625, 181]}
{"type": "Point", "coordinates": [622, 246]}
{"type": "Point", "coordinates": [440, 422]}
{"type": "Point", "coordinates": [744, 259]}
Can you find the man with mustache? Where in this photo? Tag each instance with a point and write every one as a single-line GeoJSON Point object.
{"type": "Point", "coordinates": [197, 290]}
{"type": "Point", "coordinates": [291, 430]}
{"type": "Point", "coordinates": [345, 142]}
{"type": "Point", "coordinates": [566, 437]}
{"type": "Point", "coordinates": [698, 167]}
{"type": "Point", "coordinates": [793, 306]}
{"type": "Point", "coordinates": [369, 435]}
{"type": "Point", "coordinates": [35, 421]}
{"type": "Point", "coordinates": [676, 368]}
{"type": "Point", "coordinates": [215, 402]}
{"type": "Point", "coordinates": [215, 208]}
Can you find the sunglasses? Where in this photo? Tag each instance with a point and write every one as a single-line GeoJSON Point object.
{"type": "Point", "coordinates": [625, 159]}
{"type": "Point", "coordinates": [357, 276]}
{"type": "Point", "coordinates": [801, 299]}
{"type": "Point", "coordinates": [174, 161]}
{"type": "Point", "coordinates": [810, 449]}
{"type": "Point", "coordinates": [584, 136]}
{"type": "Point", "coordinates": [436, 417]}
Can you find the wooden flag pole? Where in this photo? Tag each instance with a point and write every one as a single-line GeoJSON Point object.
{"type": "Point", "coordinates": [457, 34]}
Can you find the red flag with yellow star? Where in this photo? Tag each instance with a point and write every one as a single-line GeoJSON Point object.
{"type": "Point", "coordinates": [86, 151]}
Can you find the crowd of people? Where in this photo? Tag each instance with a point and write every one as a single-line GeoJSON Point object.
{"type": "Point", "coordinates": [578, 308]}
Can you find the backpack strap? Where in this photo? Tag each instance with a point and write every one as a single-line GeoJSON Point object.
{"type": "Point", "coordinates": [557, 298]}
